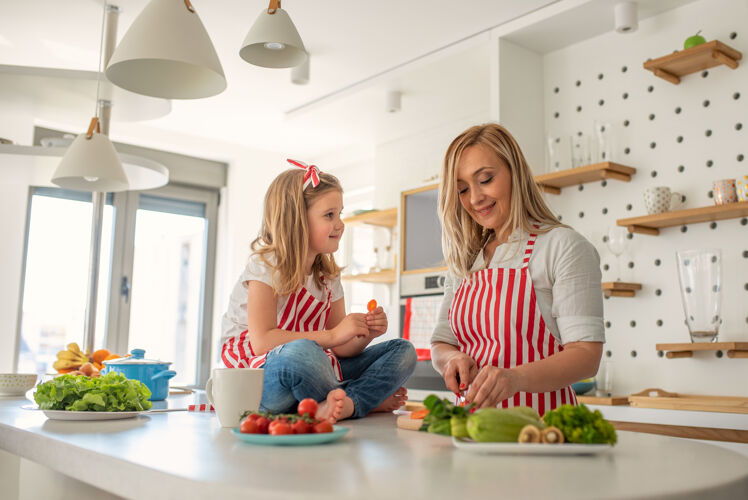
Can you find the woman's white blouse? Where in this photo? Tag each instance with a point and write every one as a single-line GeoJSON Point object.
{"type": "Point", "coordinates": [565, 271]}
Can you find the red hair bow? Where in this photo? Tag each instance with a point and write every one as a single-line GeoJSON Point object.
{"type": "Point", "coordinates": [311, 175]}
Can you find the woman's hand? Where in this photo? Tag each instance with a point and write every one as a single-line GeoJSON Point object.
{"type": "Point", "coordinates": [352, 326]}
{"type": "Point", "coordinates": [491, 386]}
{"type": "Point", "coordinates": [376, 321]}
{"type": "Point", "coordinates": [459, 371]}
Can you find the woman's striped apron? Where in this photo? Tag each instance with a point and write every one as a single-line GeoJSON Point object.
{"type": "Point", "coordinates": [497, 321]}
{"type": "Point", "coordinates": [302, 313]}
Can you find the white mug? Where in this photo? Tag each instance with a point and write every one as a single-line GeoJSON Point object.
{"type": "Point", "coordinates": [232, 391]}
{"type": "Point", "coordinates": [660, 199]}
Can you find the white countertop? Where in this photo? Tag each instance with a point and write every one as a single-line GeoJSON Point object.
{"type": "Point", "coordinates": [188, 455]}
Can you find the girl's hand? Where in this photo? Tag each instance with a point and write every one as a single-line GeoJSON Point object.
{"type": "Point", "coordinates": [352, 326]}
{"type": "Point", "coordinates": [491, 386]}
{"type": "Point", "coordinates": [461, 366]}
{"type": "Point", "coordinates": [376, 322]}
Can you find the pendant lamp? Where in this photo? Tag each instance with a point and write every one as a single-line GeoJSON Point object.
{"type": "Point", "coordinates": [273, 41]}
{"type": "Point", "coordinates": [167, 53]}
{"type": "Point", "coordinates": [91, 164]}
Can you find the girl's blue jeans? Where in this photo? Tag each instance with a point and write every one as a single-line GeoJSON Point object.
{"type": "Point", "coordinates": [301, 369]}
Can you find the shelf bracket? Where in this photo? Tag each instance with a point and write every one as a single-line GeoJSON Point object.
{"type": "Point", "coordinates": [652, 231]}
{"type": "Point", "coordinates": [678, 354]}
{"type": "Point", "coordinates": [734, 353]}
{"type": "Point", "coordinates": [667, 76]}
{"type": "Point", "coordinates": [612, 174]}
{"type": "Point", "coordinates": [724, 59]}
{"type": "Point", "coordinates": [549, 189]}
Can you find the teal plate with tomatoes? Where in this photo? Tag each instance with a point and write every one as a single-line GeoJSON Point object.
{"type": "Point", "coordinates": [292, 439]}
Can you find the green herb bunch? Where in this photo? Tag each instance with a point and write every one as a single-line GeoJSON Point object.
{"type": "Point", "coordinates": [444, 417]}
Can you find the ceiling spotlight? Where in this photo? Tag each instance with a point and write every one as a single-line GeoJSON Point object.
{"type": "Point", "coordinates": [627, 19]}
{"type": "Point", "coordinates": [393, 102]}
{"type": "Point", "coordinates": [300, 73]}
{"type": "Point", "coordinates": [273, 41]}
{"type": "Point", "coordinates": [167, 53]}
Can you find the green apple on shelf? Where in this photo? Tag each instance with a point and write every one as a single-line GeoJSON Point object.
{"type": "Point", "coordinates": [693, 41]}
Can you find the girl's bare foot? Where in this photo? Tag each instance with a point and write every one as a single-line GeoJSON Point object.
{"type": "Point", "coordinates": [336, 407]}
{"type": "Point", "coordinates": [393, 402]}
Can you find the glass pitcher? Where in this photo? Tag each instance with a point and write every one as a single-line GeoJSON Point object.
{"type": "Point", "coordinates": [700, 276]}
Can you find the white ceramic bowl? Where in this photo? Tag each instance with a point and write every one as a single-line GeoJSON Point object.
{"type": "Point", "coordinates": [16, 384]}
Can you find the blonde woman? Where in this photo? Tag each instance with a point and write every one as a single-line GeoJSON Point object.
{"type": "Point", "coordinates": [287, 312]}
{"type": "Point", "coordinates": [522, 313]}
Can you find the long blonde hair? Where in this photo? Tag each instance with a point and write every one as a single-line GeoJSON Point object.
{"type": "Point", "coordinates": [283, 242]}
{"type": "Point", "coordinates": [462, 237]}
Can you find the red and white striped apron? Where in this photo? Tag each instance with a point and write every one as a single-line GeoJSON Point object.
{"type": "Point", "coordinates": [302, 313]}
{"type": "Point", "coordinates": [497, 321]}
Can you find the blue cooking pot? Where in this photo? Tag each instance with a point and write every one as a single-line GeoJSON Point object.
{"type": "Point", "coordinates": [154, 374]}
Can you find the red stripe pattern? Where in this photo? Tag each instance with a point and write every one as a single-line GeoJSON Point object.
{"type": "Point", "coordinates": [202, 407]}
{"type": "Point", "coordinates": [302, 313]}
{"type": "Point", "coordinates": [497, 322]}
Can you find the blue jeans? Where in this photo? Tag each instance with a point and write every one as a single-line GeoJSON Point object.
{"type": "Point", "coordinates": [301, 369]}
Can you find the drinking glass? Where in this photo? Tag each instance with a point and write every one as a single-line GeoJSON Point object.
{"type": "Point", "coordinates": [581, 153]}
{"type": "Point", "coordinates": [559, 153]}
{"type": "Point", "coordinates": [617, 242]}
{"type": "Point", "coordinates": [699, 274]}
{"type": "Point", "coordinates": [604, 380]}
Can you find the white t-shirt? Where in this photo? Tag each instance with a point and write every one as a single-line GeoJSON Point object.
{"type": "Point", "coordinates": [565, 271]}
{"type": "Point", "coordinates": [234, 322]}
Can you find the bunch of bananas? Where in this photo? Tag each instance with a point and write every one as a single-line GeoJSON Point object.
{"type": "Point", "coordinates": [71, 358]}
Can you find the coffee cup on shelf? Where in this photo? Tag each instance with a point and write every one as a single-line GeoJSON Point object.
{"type": "Point", "coordinates": [741, 188]}
{"type": "Point", "coordinates": [724, 192]}
{"type": "Point", "coordinates": [660, 199]}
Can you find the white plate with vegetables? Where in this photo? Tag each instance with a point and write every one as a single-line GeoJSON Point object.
{"type": "Point", "coordinates": [86, 415]}
{"type": "Point", "coordinates": [467, 444]}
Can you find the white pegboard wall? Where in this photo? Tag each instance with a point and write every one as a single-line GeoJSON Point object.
{"type": "Point", "coordinates": [683, 136]}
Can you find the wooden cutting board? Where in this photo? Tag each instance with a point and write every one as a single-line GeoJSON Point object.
{"type": "Point", "coordinates": [407, 423]}
{"type": "Point", "coordinates": [658, 398]}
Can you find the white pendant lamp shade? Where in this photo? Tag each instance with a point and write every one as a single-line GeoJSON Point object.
{"type": "Point", "coordinates": [273, 42]}
{"type": "Point", "coordinates": [91, 164]}
{"type": "Point", "coordinates": [167, 53]}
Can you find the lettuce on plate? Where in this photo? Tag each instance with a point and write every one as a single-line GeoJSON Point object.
{"type": "Point", "coordinates": [110, 392]}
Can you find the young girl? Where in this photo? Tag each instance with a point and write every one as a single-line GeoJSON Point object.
{"type": "Point", "coordinates": [522, 316]}
{"type": "Point", "coordinates": [287, 312]}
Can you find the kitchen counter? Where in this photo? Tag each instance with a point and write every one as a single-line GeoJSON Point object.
{"type": "Point", "coordinates": [188, 455]}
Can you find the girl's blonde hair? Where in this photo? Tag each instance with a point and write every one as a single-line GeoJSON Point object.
{"type": "Point", "coordinates": [283, 243]}
{"type": "Point", "coordinates": [462, 237]}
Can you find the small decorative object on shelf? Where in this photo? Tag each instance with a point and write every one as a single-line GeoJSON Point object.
{"type": "Point", "coordinates": [651, 224]}
{"type": "Point", "coordinates": [553, 182]}
{"type": "Point", "coordinates": [700, 57]}
{"type": "Point", "coordinates": [620, 289]}
{"type": "Point", "coordinates": [685, 350]}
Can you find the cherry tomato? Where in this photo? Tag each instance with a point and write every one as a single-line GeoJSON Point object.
{"type": "Point", "coordinates": [323, 427]}
{"type": "Point", "coordinates": [280, 427]}
{"type": "Point", "coordinates": [307, 407]}
{"type": "Point", "coordinates": [371, 305]}
{"type": "Point", "coordinates": [262, 425]}
{"type": "Point", "coordinates": [301, 427]}
{"type": "Point", "coordinates": [248, 426]}
{"type": "Point", "coordinates": [254, 417]}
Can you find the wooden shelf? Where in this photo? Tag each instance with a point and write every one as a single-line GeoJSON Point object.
{"type": "Point", "coordinates": [604, 401]}
{"type": "Point", "coordinates": [684, 62]}
{"type": "Point", "coordinates": [650, 224]}
{"type": "Point", "coordinates": [685, 350]}
{"type": "Point", "coordinates": [620, 289]}
{"type": "Point", "coordinates": [385, 218]}
{"type": "Point", "coordinates": [388, 276]}
{"type": "Point", "coordinates": [553, 182]}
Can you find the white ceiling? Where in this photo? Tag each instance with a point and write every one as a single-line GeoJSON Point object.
{"type": "Point", "coordinates": [349, 42]}
{"type": "Point", "coordinates": [359, 50]}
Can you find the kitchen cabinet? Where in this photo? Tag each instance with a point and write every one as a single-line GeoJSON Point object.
{"type": "Point", "coordinates": [187, 455]}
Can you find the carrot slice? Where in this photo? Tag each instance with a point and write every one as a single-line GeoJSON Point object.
{"type": "Point", "coordinates": [419, 413]}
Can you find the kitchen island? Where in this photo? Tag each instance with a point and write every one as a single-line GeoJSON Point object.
{"type": "Point", "coordinates": [188, 455]}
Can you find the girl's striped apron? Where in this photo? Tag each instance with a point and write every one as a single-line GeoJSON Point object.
{"type": "Point", "coordinates": [497, 321]}
{"type": "Point", "coordinates": [303, 313]}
